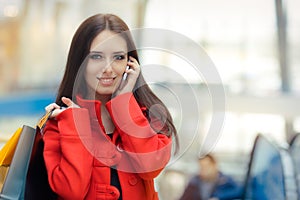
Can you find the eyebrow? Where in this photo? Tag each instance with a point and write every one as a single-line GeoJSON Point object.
{"type": "Point", "coordinates": [117, 52]}
{"type": "Point", "coordinates": [96, 52]}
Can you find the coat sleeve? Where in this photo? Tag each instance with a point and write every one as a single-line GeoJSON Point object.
{"type": "Point", "coordinates": [68, 162]}
{"type": "Point", "coordinates": [148, 151]}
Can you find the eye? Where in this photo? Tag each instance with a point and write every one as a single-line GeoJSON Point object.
{"type": "Point", "coordinates": [95, 56]}
{"type": "Point", "coordinates": [119, 57]}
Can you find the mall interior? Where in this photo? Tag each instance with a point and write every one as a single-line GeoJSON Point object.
{"type": "Point", "coordinates": [226, 70]}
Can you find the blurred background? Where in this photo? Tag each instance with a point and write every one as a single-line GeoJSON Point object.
{"type": "Point", "coordinates": [254, 45]}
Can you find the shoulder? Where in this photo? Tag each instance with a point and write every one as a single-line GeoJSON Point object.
{"type": "Point", "coordinates": [51, 124]}
{"type": "Point", "coordinates": [225, 180]}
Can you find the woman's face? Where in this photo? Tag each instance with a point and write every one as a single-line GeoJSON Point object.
{"type": "Point", "coordinates": [106, 63]}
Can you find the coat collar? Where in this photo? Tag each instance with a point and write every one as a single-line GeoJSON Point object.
{"type": "Point", "coordinates": [93, 106]}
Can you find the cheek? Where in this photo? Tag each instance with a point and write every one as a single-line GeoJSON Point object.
{"type": "Point", "coordinates": [90, 76]}
{"type": "Point", "coordinates": [90, 69]}
{"type": "Point", "coordinates": [119, 70]}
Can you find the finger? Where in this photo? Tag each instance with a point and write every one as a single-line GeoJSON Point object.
{"type": "Point", "coordinates": [127, 68]}
{"type": "Point", "coordinates": [132, 59]}
{"type": "Point", "coordinates": [130, 71]}
{"type": "Point", "coordinates": [55, 113]}
{"type": "Point", "coordinates": [67, 101]}
{"type": "Point", "coordinates": [51, 106]}
{"type": "Point", "coordinates": [134, 65]}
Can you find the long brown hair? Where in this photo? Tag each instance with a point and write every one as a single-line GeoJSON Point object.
{"type": "Point", "coordinates": [79, 50]}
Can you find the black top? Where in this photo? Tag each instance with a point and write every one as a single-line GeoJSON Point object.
{"type": "Point", "coordinates": [114, 178]}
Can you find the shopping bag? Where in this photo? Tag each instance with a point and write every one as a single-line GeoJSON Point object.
{"type": "Point", "coordinates": [14, 183]}
{"type": "Point", "coordinates": [8, 150]}
{"type": "Point", "coordinates": [3, 173]}
{"type": "Point", "coordinates": [37, 185]}
{"type": "Point", "coordinates": [27, 176]}
{"type": "Point", "coordinates": [6, 155]}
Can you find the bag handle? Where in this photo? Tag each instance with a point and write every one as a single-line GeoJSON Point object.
{"type": "Point", "coordinates": [42, 122]}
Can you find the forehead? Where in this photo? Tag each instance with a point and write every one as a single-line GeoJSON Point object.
{"type": "Point", "coordinates": [108, 41]}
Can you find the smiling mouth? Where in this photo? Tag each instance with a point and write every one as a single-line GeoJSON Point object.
{"type": "Point", "coordinates": [106, 81]}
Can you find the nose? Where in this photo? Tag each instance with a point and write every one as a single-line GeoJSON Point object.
{"type": "Point", "coordinates": [108, 66]}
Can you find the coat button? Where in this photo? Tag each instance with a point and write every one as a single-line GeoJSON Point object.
{"type": "Point", "coordinates": [132, 180]}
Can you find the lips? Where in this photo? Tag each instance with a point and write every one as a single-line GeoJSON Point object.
{"type": "Point", "coordinates": [106, 81]}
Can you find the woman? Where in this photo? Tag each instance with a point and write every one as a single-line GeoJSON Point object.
{"type": "Point", "coordinates": [109, 136]}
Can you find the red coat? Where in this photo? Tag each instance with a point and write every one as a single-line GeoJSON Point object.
{"type": "Point", "coordinates": [78, 154]}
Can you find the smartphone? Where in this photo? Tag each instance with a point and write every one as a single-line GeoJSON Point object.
{"type": "Point", "coordinates": [124, 77]}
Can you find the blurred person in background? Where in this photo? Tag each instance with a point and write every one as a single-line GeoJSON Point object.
{"type": "Point", "coordinates": [210, 183]}
{"type": "Point", "coordinates": [102, 140]}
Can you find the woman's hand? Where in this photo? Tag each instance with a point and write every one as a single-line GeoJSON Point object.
{"type": "Point", "coordinates": [132, 75]}
{"type": "Point", "coordinates": [57, 109]}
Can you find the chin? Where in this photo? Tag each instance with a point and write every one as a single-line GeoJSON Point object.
{"type": "Point", "coordinates": [105, 92]}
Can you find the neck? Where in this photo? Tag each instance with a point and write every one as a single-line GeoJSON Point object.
{"type": "Point", "coordinates": [93, 95]}
{"type": "Point", "coordinates": [103, 98]}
